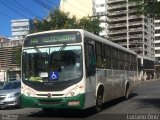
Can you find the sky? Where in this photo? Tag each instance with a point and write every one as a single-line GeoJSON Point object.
{"type": "Point", "coordinates": [23, 9]}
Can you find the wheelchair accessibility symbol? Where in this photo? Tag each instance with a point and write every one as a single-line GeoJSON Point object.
{"type": "Point", "coordinates": [54, 75]}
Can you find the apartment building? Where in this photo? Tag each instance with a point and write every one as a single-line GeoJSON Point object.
{"type": "Point", "coordinates": [133, 30]}
{"type": "Point", "coordinates": [100, 9]}
{"type": "Point", "coordinates": [8, 66]}
{"type": "Point", "coordinates": [3, 39]}
{"type": "Point", "coordinates": [20, 28]}
{"type": "Point", "coordinates": [157, 47]}
{"type": "Point", "coordinates": [78, 8]}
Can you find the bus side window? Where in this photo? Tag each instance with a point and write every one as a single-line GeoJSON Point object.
{"type": "Point", "coordinates": [90, 59]}
{"type": "Point", "coordinates": [99, 55]}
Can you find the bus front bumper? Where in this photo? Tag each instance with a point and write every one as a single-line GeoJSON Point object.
{"type": "Point", "coordinates": [65, 102]}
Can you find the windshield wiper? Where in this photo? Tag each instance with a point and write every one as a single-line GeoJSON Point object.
{"type": "Point", "coordinates": [39, 52]}
{"type": "Point", "coordinates": [63, 46]}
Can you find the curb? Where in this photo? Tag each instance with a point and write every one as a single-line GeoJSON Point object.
{"type": "Point", "coordinates": [151, 80]}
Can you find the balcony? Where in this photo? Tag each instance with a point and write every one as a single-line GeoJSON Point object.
{"type": "Point", "coordinates": [136, 36]}
{"type": "Point", "coordinates": [136, 29]}
{"type": "Point", "coordinates": [115, 1]}
{"type": "Point", "coordinates": [135, 3]}
{"type": "Point", "coordinates": [117, 32]}
{"type": "Point", "coordinates": [111, 26]}
{"type": "Point", "coordinates": [116, 13]}
{"type": "Point", "coordinates": [117, 19]}
{"type": "Point", "coordinates": [116, 7]}
{"type": "Point", "coordinates": [135, 23]}
{"type": "Point", "coordinates": [136, 16]}
{"type": "Point", "coordinates": [119, 38]}
{"type": "Point", "coordinates": [124, 44]}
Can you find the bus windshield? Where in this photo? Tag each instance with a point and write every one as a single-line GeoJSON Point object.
{"type": "Point", "coordinates": [52, 64]}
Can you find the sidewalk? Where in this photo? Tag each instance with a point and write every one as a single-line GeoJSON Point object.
{"type": "Point", "coordinates": [150, 80]}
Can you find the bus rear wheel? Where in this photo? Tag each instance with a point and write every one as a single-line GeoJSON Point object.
{"type": "Point", "coordinates": [99, 102]}
{"type": "Point", "coordinates": [127, 92]}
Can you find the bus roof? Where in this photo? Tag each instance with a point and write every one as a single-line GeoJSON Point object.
{"type": "Point", "coordinates": [90, 35]}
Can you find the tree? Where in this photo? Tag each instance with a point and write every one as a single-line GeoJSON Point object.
{"type": "Point", "coordinates": [61, 20]}
{"type": "Point", "coordinates": [90, 24]}
{"type": "Point", "coordinates": [16, 55]}
{"type": "Point", "coordinates": [150, 8]}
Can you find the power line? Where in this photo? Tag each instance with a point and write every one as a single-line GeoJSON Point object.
{"type": "Point", "coordinates": [10, 7]}
{"type": "Point", "coordinates": [43, 4]}
{"type": "Point", "coordinates": [49, 6]}
{"type": "Point", "coordinates": [17, 6]}
{"type": "Point", "coordinates": [26, 10]}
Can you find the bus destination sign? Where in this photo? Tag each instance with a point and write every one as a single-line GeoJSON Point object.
{"type": "Point", "coordinates": [54, 38]}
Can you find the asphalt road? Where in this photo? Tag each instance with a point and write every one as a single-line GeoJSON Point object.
{"type": "Point", "coordinates": [144, 103]}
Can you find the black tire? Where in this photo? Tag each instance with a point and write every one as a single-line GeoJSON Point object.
{"type": "Point", "coordinates": [47, 110]}
{"type": "Point", "coordinates": [99, 102]}
{"type": "Point", "coordinates": [19, 103]}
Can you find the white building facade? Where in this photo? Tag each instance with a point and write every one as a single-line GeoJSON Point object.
{"type": "Point", "coordinates": [20, 28]}
{"type": "Point", "coordinates": [101, 11]}
{"type": "Point", "coordinates": [157, 47]}
{"type": "Point", "coordinates": [157, 40]}
{"type": "Point", "coordinates": [78, 8]}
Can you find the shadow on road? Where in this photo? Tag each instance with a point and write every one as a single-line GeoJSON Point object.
{"type": "Point", "coordinates": [117, 101]}
{"type": "Point", "coordinates": [150, 102]}
{"type": "Point", "coordinates": [65, 113]}
{"type": "Point", "coordinates": [71, 113]}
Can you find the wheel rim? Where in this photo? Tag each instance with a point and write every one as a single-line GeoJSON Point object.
{"type": "Point", "coordinates": [127, 93]}
{"type": "Point", "coordinates": [99, 103]}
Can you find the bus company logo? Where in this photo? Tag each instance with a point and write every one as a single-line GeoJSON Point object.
{"type": "Point", "coordinates": [49, 95]}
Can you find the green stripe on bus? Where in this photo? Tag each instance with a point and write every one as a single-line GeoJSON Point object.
{"type": "Point", "coordinates": [34, 102]}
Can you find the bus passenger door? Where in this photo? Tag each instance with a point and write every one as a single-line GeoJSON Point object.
{"type": "Point", "coordinates": [90, 63]}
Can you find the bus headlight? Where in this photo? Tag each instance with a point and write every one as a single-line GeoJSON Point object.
{"type": "Point", "coordinates": [28, 91]}
{"type": "Point", "coordinates": [75, 91]}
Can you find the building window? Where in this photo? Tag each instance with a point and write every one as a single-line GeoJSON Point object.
{"type": "Point", "coordinates": [157, 31]}
{"type": "Point", "coordinates": [100, 13]}
{"type": "Point", "coordinates": [100, 5]}
{"type": "Point", "coordinates": [157, 38]}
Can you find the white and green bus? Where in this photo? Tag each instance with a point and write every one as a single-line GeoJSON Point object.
{"type": "Point", "coordinates": [73, 68]}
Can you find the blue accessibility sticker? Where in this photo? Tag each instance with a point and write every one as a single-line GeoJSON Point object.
{"type": "Point", "coordinates": [54, 75]}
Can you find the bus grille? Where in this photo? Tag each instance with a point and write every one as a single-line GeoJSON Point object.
{"type": "Point", "coordinates": [49, 102]}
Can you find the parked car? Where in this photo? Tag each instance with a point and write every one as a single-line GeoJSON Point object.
{"type": "Point", "coordinates": [10, 94]}
{"type": "Point", "coordinates": [1, 84]}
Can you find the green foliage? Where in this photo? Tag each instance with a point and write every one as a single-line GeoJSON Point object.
{"type": "Point", "coordinates": [90, 24]}
{"type": "Point", "coordinates": [61, 20]}
{"type": "Point", "coordinates": [16, 55]}
{"type": "Point", "coordinates": [150, 8]}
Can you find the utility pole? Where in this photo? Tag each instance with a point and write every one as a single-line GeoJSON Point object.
{"type": "Point", "coordinates": [127, 25]}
